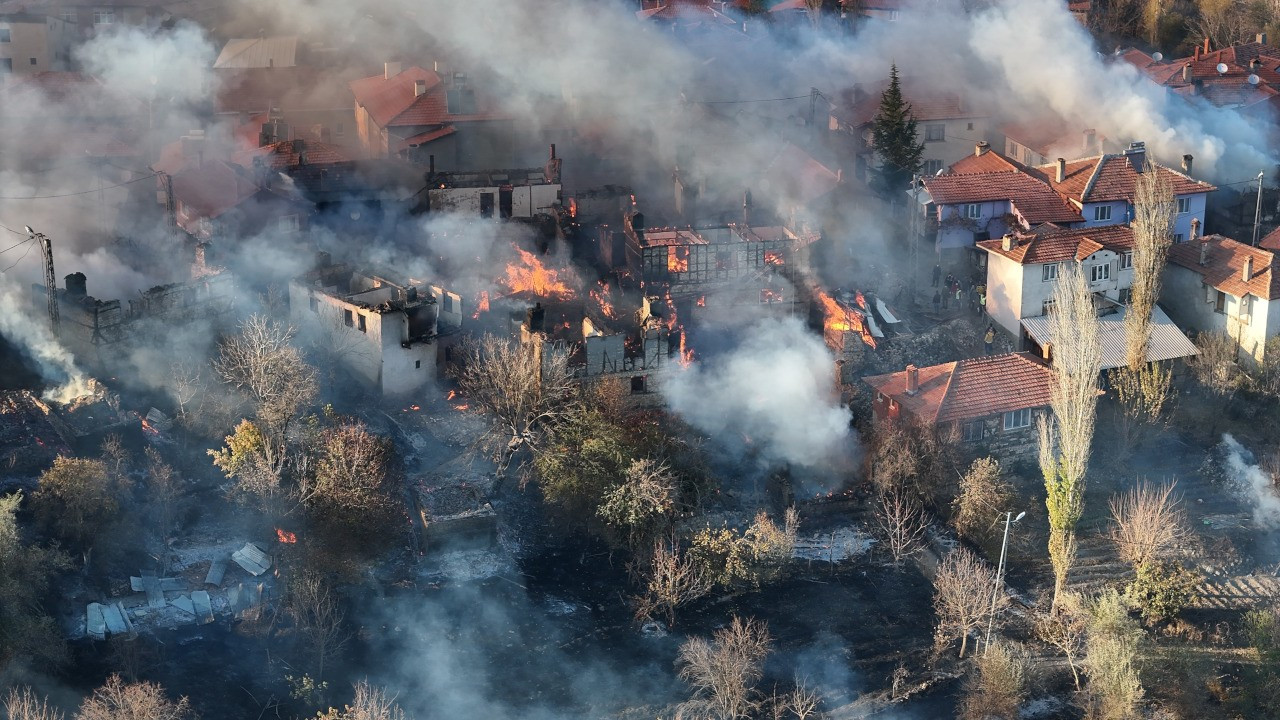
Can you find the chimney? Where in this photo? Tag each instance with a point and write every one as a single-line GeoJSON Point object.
{"type": "Point", "coordinates": [981, 148]}
{"type": "Point", "coordinates": [431, 164]}
{"type": "Point", "coordinates": [553, 151]}
{"type": "Point", "coordinates": [1090, 138]}
{"type": "Point", "coordinates": [77, 285]}
{"type": "Point", "coordinates": [746, 208]}
{"type": "Point", "coordinates": [1006, 242]}
{"type": "Point", "coordinates": [1062, 169]}
{"type": "Point", "coordinates": [1137, 154]}
{"type": "Point", "coordinates": [1195, 228]}
{"type": "Point", "coordinates": [1261, 38]}
{"type": "Point", "coordinates": [1246, 272]}
{"type": "Point", "coordinates": [419, 88]}
{"type": "Point", "coordinates": [1204, 252]}
{"type": "Point", "coordinates": [390, 70]}
{"type": "Point", "coordinates": [913, 380]}
{"type": "Point", "coordinates": [1206, 47]}
{"type": "Point", "coordinates": [1196, 55]}
{"type": "Point", "coordinates": [1186, 71]}
{"type": "Point", "coordinates": [1186, 164]}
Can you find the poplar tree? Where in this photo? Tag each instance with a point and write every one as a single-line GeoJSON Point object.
{"type": "Point", "coordinates": [894, 138]}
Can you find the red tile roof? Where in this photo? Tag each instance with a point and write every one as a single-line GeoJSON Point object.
{"type": "Point", "coordinates": [423, 138]}
{"type": "Point", "coordinates": [987, 162]}
{"type": "Point", "coordinates": [968, 389]}
{"type": "Point", "coordinates": [1271, 241]}
{"type": "Point", "coordinates": [1049, 243]}
{"type": "Point", "coordinates": [1224, 266]}
{"type": "Point", "coordinates": [1220, 88]}
{"type": "Point", "coordinates": [1033, 199]}
{"type": "Point", "coordinates": [288, 154]}
{"type": "Point", "coordinates": [701, 11]}
{"type": "Point", "coordinates": [1108, 178]}
{"type": "Point", "coordinates": [394, 102]}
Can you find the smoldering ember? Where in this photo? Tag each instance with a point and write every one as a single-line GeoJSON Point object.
{"type": "Point", "coordinates": [725, 359]}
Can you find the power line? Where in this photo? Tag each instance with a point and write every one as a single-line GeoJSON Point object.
{"type": "Point", "coordinates": [14, 246]}
{"type": "Point", "coordinates": [82, 192]}
{"type": "Point", "coordinates": [24, 255]}
{"type": "Point", "coordinates": [15, 232]}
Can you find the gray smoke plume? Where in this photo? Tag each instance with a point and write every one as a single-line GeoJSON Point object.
{"type": "Point", "coordinates": [776, 388]}
{"type": "Point", "coordinates": [28, 329]}
{"type": "Point", "coordinates": [1253, 484]}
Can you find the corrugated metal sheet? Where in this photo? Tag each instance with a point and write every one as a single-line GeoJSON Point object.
{"type": "Point", "coordinates": [266, 52]}
{"type": "Point", "coordinates": [1167, 341]}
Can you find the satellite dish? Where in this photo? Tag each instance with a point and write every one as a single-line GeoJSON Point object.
{"type": "Point", "coordinates": [1254, 80]}
{"type": "Point", "coordinates": [1221, 68]}
{"type": "Point", "coordinates": [1157, 56]}
{"type": "Point", "coordinates": [941, 171]}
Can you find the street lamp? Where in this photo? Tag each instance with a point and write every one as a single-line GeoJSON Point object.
{"type": "Point", "coordinates": [995, 592]}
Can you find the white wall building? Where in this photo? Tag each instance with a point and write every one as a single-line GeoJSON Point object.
{"type": "Point", "coordinates": [389, 334]}
{"type": "Point", "coordinates": [1219, 284]}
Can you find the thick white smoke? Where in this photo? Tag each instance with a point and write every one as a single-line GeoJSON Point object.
{"type": "Point", "coordinates": [1253, 484]}
{"type": "Point", "coordinates": [28, 328]}
{"type": "Point", "coordinates": [776, 387]}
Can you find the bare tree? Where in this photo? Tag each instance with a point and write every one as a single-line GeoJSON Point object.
{"type": "Point", "coordinates": [164, 492]}
{"type": "Point", "coordinates": [317, 615]}
{"type": "Point", "coordinates": [351, 471]}
{"type": "Point", "coordinates": [984, 494]}
{"type": "Point", "coordinates": [1149, 524]}
{"type": "Point", "coordinates": [370, 703]}
{"type": "Point", "coordinates": [724, 671]}
{"type": "Point", "coordinates": [902, 524]}
{"type": "Point", "coordinates": [961, 596]}
{"type": "Point", "coordinates": [525, 389]}
{"type": "Point", "coordinates": [24, 704]}
{"type": "Point", "coordinates": [1064, 626]}
{"type": "Point", "coordinates": [1153, 211]}
{"type": "Point", "coordinates": [1143, 394]}
{"type": "Point", "coordinates": [1215, 365]}
{"type": "Point", "coordinates": [262, 362]}
{"type": "Point", "coordinates": [997, 683]}
{"type": "Point", "coordinates": [1066, 439]}
{"type": "Point", "coordinates": [185, 385]}
{"type": "Point", "coordinates": [117, 700]}
{"type": "Point", "coordinates": [1226, 22]}
{"type": "Point", "coordinates": [674, 580]}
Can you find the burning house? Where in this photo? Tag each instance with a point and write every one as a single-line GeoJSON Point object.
{"type": "Point", "coordinates": [638, 354]}
{"type": "Point", "coordinates": [849, 328]}
{"type": "Point", "coordinates": [519, 193]}
{"type": "Point", "coordinates": [391, 334]}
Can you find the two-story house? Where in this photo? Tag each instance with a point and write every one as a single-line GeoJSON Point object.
{"type": "Point", "coordinates": [989, 402]}
{"type": "Point", "coordinates": [31, 43]}
{"type": "Point", "coordinates": [1023, 271]}
{"type": "Point", "coordinates": [986, 195]}
{"type": "Point", "coordinates": [1219, 284]}
{"type": "Point", "coordinates": [1102, 188]}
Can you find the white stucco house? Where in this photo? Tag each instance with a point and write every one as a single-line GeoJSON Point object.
{"type": "Point", "coordinates": [1023, 270]}
{"type": "Point", "coordinates": [390, 334]}
{"type": "Point", "coordinates": [1218, 284]}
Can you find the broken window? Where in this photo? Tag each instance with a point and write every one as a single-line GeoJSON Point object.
{"type": "Point", "coordinates": [348, 318]}
{"type": "Point", "coordinates": [448, 302]}
{"type": "Point", "coordinates": [417, 364]}
{"type": "Point", "coordinates": [1017, 419]}
{"type": "Point", "coordinates": [362, 325]}
{"type": "Point", "coordinates": [315, 304]}
{"type": "Point", "coordinates": [486, 205]}
{"type": "Point", "coordinates": [638, 385]}
{"type": "Point", "coordinates": [290, 223]}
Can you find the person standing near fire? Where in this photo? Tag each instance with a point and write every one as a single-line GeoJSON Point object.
{"type": "Point", "coordinates": [990, 338]}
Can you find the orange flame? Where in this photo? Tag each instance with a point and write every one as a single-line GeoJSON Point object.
{"type": "Point", "coordinates": [533, 277]}
{"type": "Point", "coordinates": [769, 295]}
{"type": "Point", "coordinates": [677, 258]}
{"type": "Point", "coordinates": [601, 297]}
{"type": "Point", "coordinates": [573, 208]}
{"type": "Point", "coordinates": [774, 257]}
{"type": "Point", "coordinates": [147, 427]}
{"type": "Point", "coordinates": [482, 304]}
{"type": "Point", "coordinates": [838, 320]}
{"type": "Point", "coordinates": [286, 537]}
{"type": "Point", "coordinates": [702, 301]}
{"type": "Point", "coordinates": [686, 354]}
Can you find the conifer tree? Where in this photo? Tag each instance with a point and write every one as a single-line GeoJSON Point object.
{"type": "Point", "coordinates": [895, 141]}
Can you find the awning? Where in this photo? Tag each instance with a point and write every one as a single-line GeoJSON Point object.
{"type": "Point", "coordinates": [1167, 341]}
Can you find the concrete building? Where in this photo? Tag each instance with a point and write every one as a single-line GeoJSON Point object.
{"type": "Point", "coordinates": [393, 335]}
{"type": "Point", "coordinates": [991, 403]}
{"type": "Point", "coordinates": [1216, 284]}
{"type": "Point", "coordinates": [31, 43]}
{"type": "Point", "coordinates": [520, 193]}
{"type": "Point", "coordinates": [946, 123]}
{"type": "Point", "coordinates": [1023, 271]}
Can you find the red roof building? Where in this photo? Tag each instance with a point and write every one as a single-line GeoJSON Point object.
{"type": "Point", "coordinates": [1244, 75]}
{"type": "Point", "coordinates": [988, 399]}
{"type": "Point", "coordinates": [418, 114]}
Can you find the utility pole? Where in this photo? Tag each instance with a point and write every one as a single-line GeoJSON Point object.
{"type": "Point", "coordinates": [50, 279]}
{"type": "Point", "coordinates": [1257, 210]}
{"type": "Point", "coordinates": [995, 592]}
